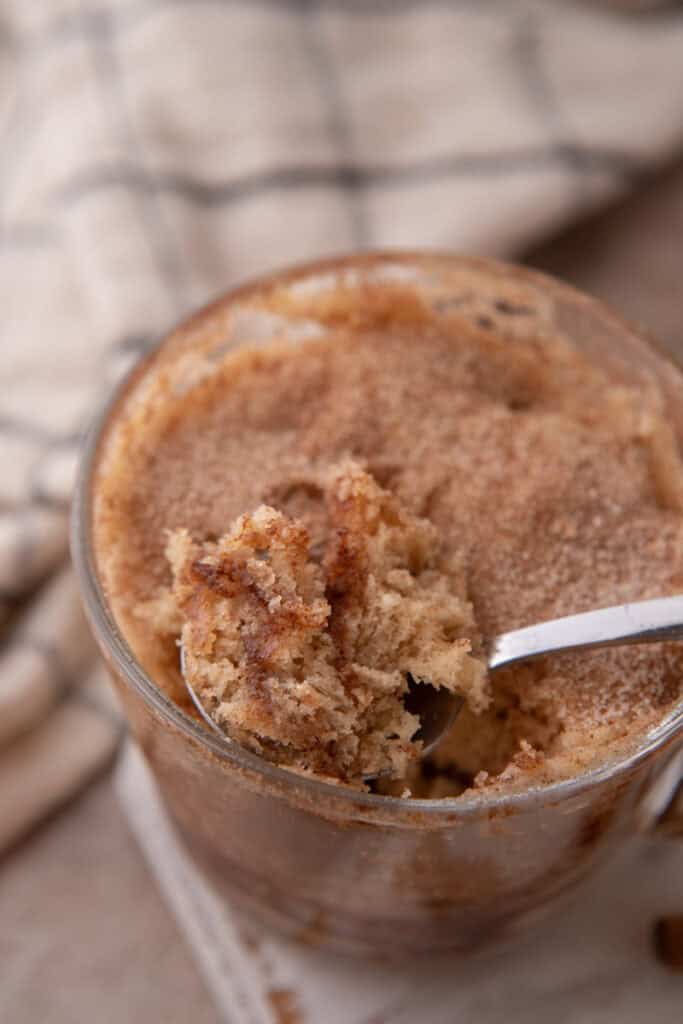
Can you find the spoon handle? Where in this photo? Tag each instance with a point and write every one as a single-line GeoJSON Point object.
{"type": "Point", "coordinates": [641, 622]}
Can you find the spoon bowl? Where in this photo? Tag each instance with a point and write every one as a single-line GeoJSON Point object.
{"type": "Point", "coordinates": [437, 710]}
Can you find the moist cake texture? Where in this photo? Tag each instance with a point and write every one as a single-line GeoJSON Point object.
{"type": "Point", "coordinates": [306, 662]}
{"type": "Point", "coordinates": [318, 520]}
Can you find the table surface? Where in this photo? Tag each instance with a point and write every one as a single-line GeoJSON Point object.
{"type": "Point", "coordinates": [85, 935]}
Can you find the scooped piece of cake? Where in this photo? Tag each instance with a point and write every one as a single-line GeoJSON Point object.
{"type": "Point", "coordinates": [306, 662]}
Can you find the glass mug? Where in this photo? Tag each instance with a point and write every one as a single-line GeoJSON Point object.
{"type": "Point", "coordinates": [356, 871]}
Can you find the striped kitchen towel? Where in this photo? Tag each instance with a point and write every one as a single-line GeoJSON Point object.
{"type": "Point", "coordinates": [156, 151]}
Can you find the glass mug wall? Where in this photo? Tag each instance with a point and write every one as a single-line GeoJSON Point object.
{"type": "Point", "coordinates": [359, 871]}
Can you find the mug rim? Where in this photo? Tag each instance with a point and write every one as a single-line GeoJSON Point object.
{"type": "Point", "coordinates": [103, 624]}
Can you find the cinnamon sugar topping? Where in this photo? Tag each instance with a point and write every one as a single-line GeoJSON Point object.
{"type": "Point", "coordinates": [497, 478]}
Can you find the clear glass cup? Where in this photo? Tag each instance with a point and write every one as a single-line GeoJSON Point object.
{"type": "Point", "coordinates": [361, 872]}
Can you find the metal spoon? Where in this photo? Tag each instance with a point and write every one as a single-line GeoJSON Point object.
{"type": "Point", "coordinates": [641, 622]}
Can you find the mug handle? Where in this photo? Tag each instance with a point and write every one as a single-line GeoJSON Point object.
{"type": "Point", "coordinates": [661, 809]}
{"type": "Point", "coordinates": [670, 823]}
{"type": "Point", "coordinates": [664, 807]}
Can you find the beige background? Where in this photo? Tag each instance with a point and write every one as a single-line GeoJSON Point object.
{"type": "Point", "coordinates": [84, 934]}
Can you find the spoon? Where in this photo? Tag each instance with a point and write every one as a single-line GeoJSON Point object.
{"type": "Point", "coordinates": [641, 622]}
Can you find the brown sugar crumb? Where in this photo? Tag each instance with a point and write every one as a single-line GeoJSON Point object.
{"type": "Point", "coordinates": [284, 1004]}
{"type": "Point", "coordinates": [307, 663]}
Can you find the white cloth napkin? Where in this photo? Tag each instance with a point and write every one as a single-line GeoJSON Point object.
{"type": "Point", "coordinates": [157, 151]}
{"type": "Point", "coordinates": [592, 962]}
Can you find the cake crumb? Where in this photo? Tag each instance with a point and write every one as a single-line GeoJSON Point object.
{"type": "Point", "coordinates": [284, 1004]}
